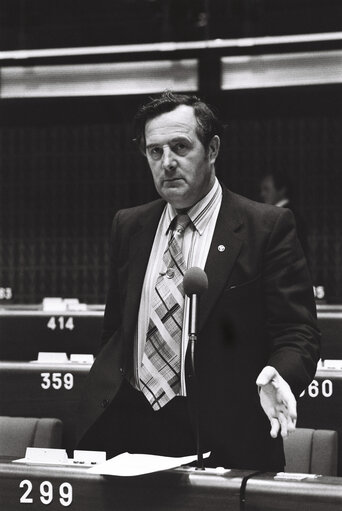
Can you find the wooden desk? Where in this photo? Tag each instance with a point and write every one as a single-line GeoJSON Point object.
{"type": "Point", "coordinates": [23, 333]}
{"type": "Point", "coordinates": [178, 489]}
{"type": "Point", "coordinates": [53, 390]}
{"type": "Point", "coordinates": [321, 405]}
{"type": "Point", "coordinates": [264, 493]}
{"type": "Point", "coordinates": [330, 324]}
{"type": "Point", "coordinates": [170, 490]}
{"type": "Point", "coordinates": [43, 390]}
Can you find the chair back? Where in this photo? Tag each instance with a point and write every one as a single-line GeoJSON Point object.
{"type": "Point", "coordinates": [17, 433]}
{"type": "Point", "coordinates": [311, 451]}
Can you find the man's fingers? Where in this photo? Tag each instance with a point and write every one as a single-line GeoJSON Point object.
{"type": "Point", "coordinates": [266, 375]}
{"type": "Point", "coordinates": [283, 425]}
{"type": "Point", "coordinates": [291, 421]}
{"type": "Point", "coordinates": [291, 426]}
{"type": "Point", "coordinates": [274, 427]}
{"type": "Point", "coordinates": [278, 402]}
{"type": "Point", "coordinates": [290, 411]}
{"type": "Point", "coordinates": [291, 405]}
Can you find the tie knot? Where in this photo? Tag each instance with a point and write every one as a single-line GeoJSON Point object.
{"type": "Point", "coordinates": [181, 223]}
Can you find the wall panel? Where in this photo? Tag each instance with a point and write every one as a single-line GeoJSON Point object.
{"type": "Point", "coordinates": [67, 165]}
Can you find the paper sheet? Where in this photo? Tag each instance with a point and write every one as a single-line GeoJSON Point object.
{"type": "Point", "coordinates": [127, 464]}
{"type": "Point", "coordinates": [290, 476]}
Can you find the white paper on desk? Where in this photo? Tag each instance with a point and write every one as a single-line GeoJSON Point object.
{"type": "Point", "coordinates": [127, 464]}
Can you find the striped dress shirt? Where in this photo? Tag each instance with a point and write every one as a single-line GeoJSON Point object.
{"type": "Point", "coordinates": [196, 244]}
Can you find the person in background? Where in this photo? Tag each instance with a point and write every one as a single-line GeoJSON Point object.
{"type": "Point", "coordinates": [258, 342]}
{"type": "Point", "coordinates": [276, 189]}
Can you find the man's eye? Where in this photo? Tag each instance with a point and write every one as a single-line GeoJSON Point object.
{"type": "Point", "coordinates": [180, 148]}
{"type": "Point", "coordinates": [155, 152]}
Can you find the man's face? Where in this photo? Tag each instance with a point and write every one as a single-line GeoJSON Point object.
{"type": "Point", "coordinates": [183, 171]}
{"type": "Point", "coordinates": [269, 193]}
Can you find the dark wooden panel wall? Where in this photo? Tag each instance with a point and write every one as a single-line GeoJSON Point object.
{"type": "Point", "coordinates": [67, 165]}
{"type": "Point", "coordinates": [62, 23]}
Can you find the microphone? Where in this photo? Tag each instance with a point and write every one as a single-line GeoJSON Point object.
{"type": "Point", "coordinates": [195, 283]}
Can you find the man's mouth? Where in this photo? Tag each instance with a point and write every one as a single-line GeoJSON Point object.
{"type": "Point", "coordinates": [173, 179]}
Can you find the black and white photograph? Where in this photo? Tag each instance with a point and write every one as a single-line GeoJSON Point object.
{"type": "Point", "coordinates": [171, 255]}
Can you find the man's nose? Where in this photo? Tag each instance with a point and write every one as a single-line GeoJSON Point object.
{"type": "Point", "coordinates": [168, 160]}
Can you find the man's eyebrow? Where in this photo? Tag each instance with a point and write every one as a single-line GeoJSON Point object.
{"type": "Point", "coordinates": [148, 146]}
{"type": "Point", "coordinates": [181, 137]}
{"type": "Point", "coordinates": [172, 140]}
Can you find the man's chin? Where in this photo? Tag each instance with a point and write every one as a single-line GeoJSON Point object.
{"type": "Point", "coordinates": [176, 196]}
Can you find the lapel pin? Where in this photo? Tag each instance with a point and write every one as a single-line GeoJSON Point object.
{"type": "Point", "coordinates": [221, 248]}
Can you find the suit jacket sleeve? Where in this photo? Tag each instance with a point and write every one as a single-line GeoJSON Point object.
{"type": "Point", "coordinates": [291, 311]}
{"type": "Point", "coordinates": [112, 316]}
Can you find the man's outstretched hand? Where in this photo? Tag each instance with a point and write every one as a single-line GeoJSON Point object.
{"type": "Point", "coordinates": [277, 401]}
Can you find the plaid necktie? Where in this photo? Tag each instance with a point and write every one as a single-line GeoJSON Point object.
{"type": "Point", "coordinates": [160, 370]}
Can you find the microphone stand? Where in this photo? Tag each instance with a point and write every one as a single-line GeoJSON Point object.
{"type": "Point", "coordinates": [192, 343]}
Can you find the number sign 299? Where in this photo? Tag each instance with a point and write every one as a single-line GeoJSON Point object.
{"type": "Point", "coordinates": [46, 493]}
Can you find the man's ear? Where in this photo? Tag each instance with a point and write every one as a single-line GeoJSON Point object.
{"type": "Point", "coordinates": [213, 149]}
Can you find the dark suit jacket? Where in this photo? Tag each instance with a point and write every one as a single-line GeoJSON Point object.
{"type": "Point", "coordinates": [259, 310]}
{"type": "Point", "coordinates": [301, 228]}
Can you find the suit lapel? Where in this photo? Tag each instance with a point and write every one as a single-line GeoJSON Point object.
{"type": "Point", "coordinates": [140, 246]}
{"type": "Point", "coordinates": [224, 249]}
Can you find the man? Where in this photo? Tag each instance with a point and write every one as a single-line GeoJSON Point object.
{"type": "Point", "coordinates": [276, 189]}
{"type": "Point", "coordinates": [257, 319]}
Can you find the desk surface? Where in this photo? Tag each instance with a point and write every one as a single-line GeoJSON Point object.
{"type": "Point", "coordinates": [264, 493]}
{"type": "Point", "coordinates": [179, 489]}
{"type": "Point", "coordinates": [38, 367]}
{"type": "Point", "coordinates": [169, 490]}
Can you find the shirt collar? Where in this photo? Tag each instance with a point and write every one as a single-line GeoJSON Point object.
{"type": "Point", "coordinates": [200, 213]}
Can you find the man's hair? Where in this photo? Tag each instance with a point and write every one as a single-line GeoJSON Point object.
{"type": "Point", "coordinates": [208, 124]}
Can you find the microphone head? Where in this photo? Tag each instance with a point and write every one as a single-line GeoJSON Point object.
{"type": "Point", "coordinates": [195, 281]}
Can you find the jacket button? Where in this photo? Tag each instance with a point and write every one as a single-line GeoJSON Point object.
{"type": "Point", "coordinates": [104, 403]}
